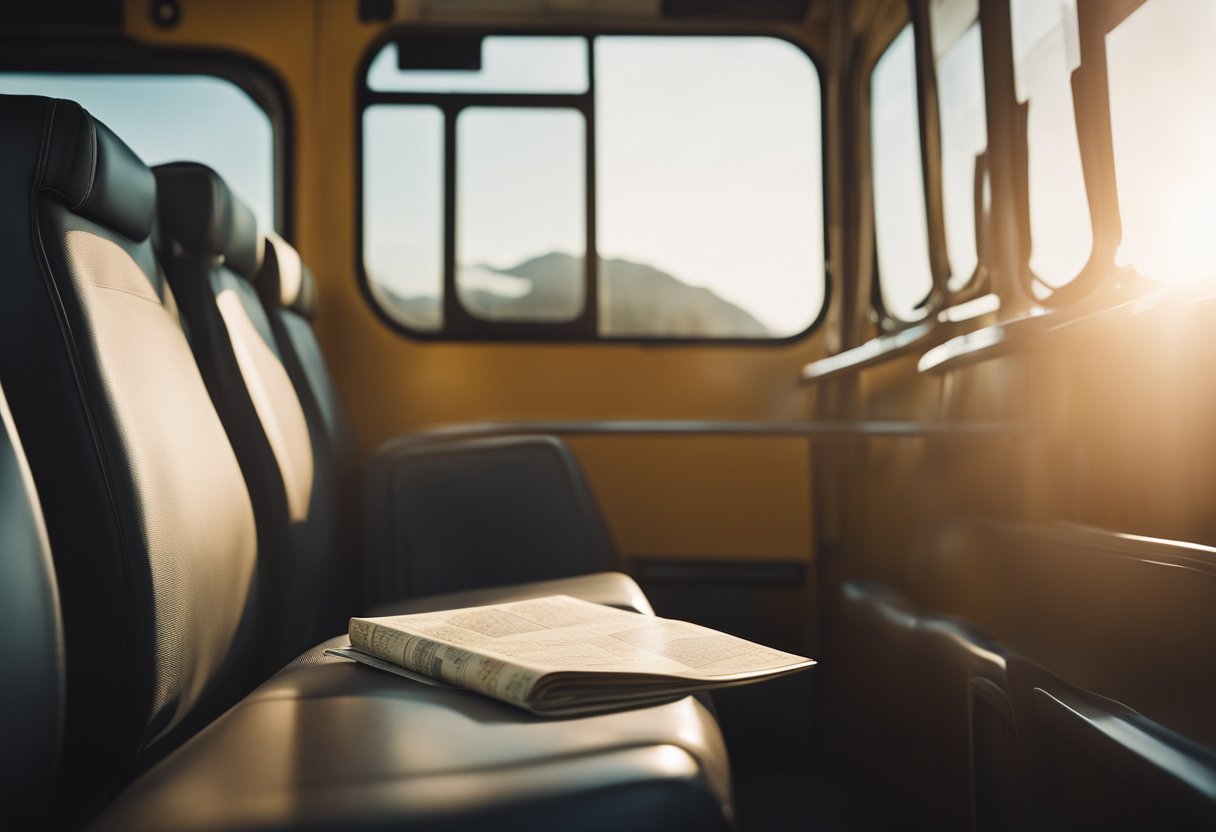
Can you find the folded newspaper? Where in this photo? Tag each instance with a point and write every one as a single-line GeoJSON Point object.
{"type": "Point", "coordinates": [560, 656]}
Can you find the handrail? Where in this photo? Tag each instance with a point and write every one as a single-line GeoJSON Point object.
{"type": "Point", "coordinates": [815, 430]}
{"type": "Point", "coordinates": [1042, 327]}
{"type": "Point", "coordinates": [885, 347]}
{"type": "Point", "coordinates": [872, 352]}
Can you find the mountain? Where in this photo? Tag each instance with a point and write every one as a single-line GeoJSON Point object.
{"type": "Point", "coordinates": [636, 300]}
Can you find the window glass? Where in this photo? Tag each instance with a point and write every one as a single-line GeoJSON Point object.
{"type": "Point", "coordinates": [170, 118]}
{"type": "Point", "coordinates": [1161, 64]}
{"type": "Point", "coordinates": [403, 212]}
{"type": "Point", "coordinates": [710, 192]}
{"type": "Point", "coordinates": [706, 161]}
{"type": "Point", "coordinates": [508, 64]}
{"type": "Point", "coordinates": [1046, 50]}
{"type": "Point", "coordinates": [521, 203]}
{"type": "Point", "coordinates": [904, 274]}
{"type": "Point", "coordinates": [964, 130]}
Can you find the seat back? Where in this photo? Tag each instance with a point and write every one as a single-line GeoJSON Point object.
{"type": "Point", "coordinates": [471, 513]}
{"type": "Point", "coordinates": [31, 698]}
{"type": "Point", "coordinates": [289, 294]}
{"type": "Point", "coordinates": [148, 517]}
{"type": "Point", "coordinates": [214, 247]}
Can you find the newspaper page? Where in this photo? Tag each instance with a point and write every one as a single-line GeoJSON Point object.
{"type": "Point", "coordinates": [581, 651]}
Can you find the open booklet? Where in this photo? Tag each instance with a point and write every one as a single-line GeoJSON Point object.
{"type": "Point", "coordinates": [560, 656]}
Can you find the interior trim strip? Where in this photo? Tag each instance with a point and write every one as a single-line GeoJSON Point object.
{"type": "Point", "coordinates": [813, 430]}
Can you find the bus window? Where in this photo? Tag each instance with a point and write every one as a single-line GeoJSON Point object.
{"type": "Point", "coordinates": [960, 90]}
{"type": "Point", "coordinates": [697, 196]}
{"type": "Point", "coordinates": [1161, 65]}
{"type": "Point", "coordinates": [403, 211]}
{"type": "Point", "coordinates": [527, 164]}
{"type": "Point", "coordinates": [905, 277]}
{"type": "Point", "coordinates": [1046, 50]}
{"type": "Point", "coordinates": [709, 170]}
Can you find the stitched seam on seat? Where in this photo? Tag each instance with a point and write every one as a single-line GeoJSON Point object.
{"type": "Point", "coordinates": [130, 292]}
{"type": "Point", "coordinates": [88, 190]}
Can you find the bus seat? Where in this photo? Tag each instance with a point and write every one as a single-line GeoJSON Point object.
{"type": "Point", "coordinates": [212, 246]}
{"type": "Point", "coordinates": [152, 536]}
{"type": "Point", "coordinates": [146, 510]}
{"type": "Point", "coordinates": [288, 291]}
{"type": "Point", "coordinates": [480, 512]}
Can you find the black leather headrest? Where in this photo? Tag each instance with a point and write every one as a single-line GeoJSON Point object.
{"type": "Point", "coordinates": [95, 174]}
{"type": "Point", "coordinates": [205, 218]}
{"type": "Point", "coordinates": [284, 280]}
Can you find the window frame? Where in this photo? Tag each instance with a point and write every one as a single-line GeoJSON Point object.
{"type": "Point", "coordinates": [1091, 119]}
{"type": "Point", "coordinates": [979, 282]}
{"type": "Point", "coordinates": [1091, 110]}
{"type": "Point", "coordinates": [120, 56]}
{"type": "Point", "coordinates": [461, 325]}
{"type": "Point", "coordinates": [929, 134]}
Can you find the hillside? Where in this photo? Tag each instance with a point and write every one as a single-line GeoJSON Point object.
{"type": "Point", "coordinates": [636, 300]}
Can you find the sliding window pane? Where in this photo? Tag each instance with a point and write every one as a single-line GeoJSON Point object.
{"type": "Point", "coordinates": [1046, 50]}
{"type": "Point", "coordinates": [709, 179]}
{"type": "Point", "coordinates": [904, 274]}
{"type": "Point", "coordinates": [960, 90]}
{"type": "Point", "coordinates": [403, 212]}
{"type": "Point", "coordinates": [521, 205]}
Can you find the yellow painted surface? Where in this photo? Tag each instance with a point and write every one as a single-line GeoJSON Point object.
{"type": "Point", "coordinates": [393, 384]}
{"type": "Point", "coordinates": [703, 497]}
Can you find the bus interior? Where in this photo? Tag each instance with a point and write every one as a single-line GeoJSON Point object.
{"type": "Point", "coordinates": [869, 330]}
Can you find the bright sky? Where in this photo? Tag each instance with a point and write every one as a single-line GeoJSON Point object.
{"type": "Point", "coordinates": [169, 118]}
{"type": "Point", "coordinates": [899, 188]}
{"type": "Point", "coordinates": [1046, 50]}
{"type": "Point", "coordinates": [709, 167]}
{"type": "Point", "coordinates": [960, 92]}
{"type": "Point", "coordinates": [1162, 67]}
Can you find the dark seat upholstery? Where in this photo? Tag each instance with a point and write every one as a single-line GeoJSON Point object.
{"type": "Point", "coordinates": [31, 697]}
{"type": "Point", "coordinates": [146, 510]}
{"type": "Point", "coordinates": [344, 747]}
{"type": "Point", "coordinates": [485, 512]}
